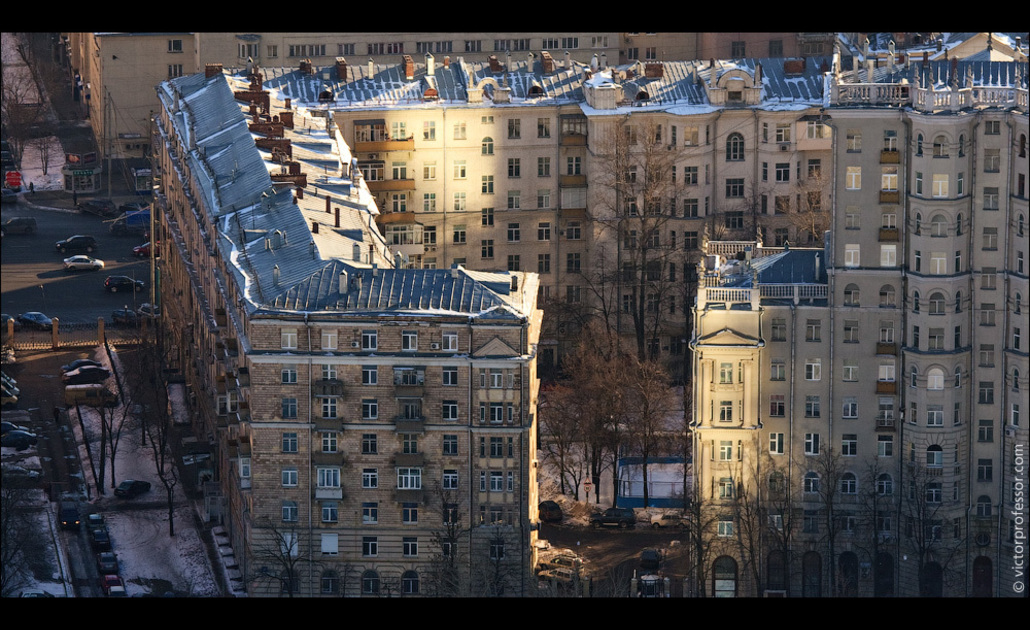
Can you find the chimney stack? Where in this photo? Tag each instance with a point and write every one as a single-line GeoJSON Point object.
{"type": "Point", "coordinates": [337, 217]}
{"type": "Point", "coordinates": [409, 67]}
{"type": "Point", "coordinates": [430, 65]}
{"type": "Point", "coordinates": [327, 201]}
{"type": "Point", "coordinates": [341, 69]}
{"type": "Point", "coordinates": [212, 69]}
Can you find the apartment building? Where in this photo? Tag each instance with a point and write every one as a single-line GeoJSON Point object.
{"type": "Point", "coordinates": [374, 426]}
{"type": "Point", "coordinates": [576, 171]}
{"type": "Point", "coordinates": [873, 408]}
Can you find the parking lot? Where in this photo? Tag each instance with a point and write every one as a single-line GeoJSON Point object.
{"type": "Point", "coordinates": [33, 275]}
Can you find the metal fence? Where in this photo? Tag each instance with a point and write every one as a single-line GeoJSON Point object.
{"type": "Point", "coordinates": [71, 335]}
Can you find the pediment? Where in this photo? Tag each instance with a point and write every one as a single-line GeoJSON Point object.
{"type": "Point", "coordinates": [496, 347]}
{"type": "Point", "coordinates": [728, 337]}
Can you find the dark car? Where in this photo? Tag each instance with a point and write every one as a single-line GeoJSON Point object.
{"type": "Point", "coordinates": [107, 563]}
{"type": "Point", "coordinates": [650, 559]}
{"type": "Point", "coordinates": [69, 515]}
{"type": "Point", "coordinates": [19, 440]}
{"type": "Point", "coordinates": [550, 512]}
{"type": "Point", "coordinates": [77, 243]}
{"type": "Point", "coordinates": [85, 375]}
{"type": "Point", "coordinates": [100, 539]}
{"type": "Point", "coordinates": [101, 207]}
{"type": "Point", "coordinates": [10, 426]}
{"type": "Point", "coordinates": [77, 363]}
{"type": "Point", "coordinates": [124, 317]}
{"type": "Point", "coordinates": [616, 516]}
{"type": "Point", "coordinates": [19, 225]}
{"type": "Point", "coordinates": [114, 284]}
{"type": "Point", "coordinates": [34, 320]}
{"type": "Point", "coordinates": [129, 488]}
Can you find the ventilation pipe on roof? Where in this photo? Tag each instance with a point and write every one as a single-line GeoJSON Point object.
{"type": "Point", "coordinates": [275, 275]}
{"type": "Point", "coordinates": [344, 281]}
{"type": "Point", "coordinates": [314, 229]}
{"type": "Point", "coordinates": [514, 283]}
{"type": "Point", "coordinates": [371, 68]}
{"type": "Point", "coordinates": [593, 63]}
{"type": "Point", "coordinates": [430, 65]}
{"type": "Point", "coordinates": [529, 61]}
{"type": "Point", "coordinates": [337, 217]}
{"type": "Point", "coordinates": [568, 60]}
{"type": "Point", "coordinates": [327, 209]}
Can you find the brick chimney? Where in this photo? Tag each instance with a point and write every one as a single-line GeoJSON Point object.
{"type": "Point", "coordinates": [212, 69]}
{"type": "Point", "coordinates": [447, 61]}
{"type": "Point", "coordinates": [328, 210]}
{"type": "Point", "coordinates": [546, 62]}
{"type": "Point", "coordinates": [409, 67]}
{"type": "Point", "coordinates": [654, 70]}
{"type": "Point", "coordinates": [495, 65]}
{"type": "Point", "coordinates": [341, 69]}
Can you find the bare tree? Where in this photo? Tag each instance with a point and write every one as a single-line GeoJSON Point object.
{"type": "Point", "coordinates": [14, 536]}
{"type": "Point", "coordinates": [878, 512]}
{"type": "Point", "coordinates": [831, 470]}
{"type": "Point", "coordinates": [924, 530]}
{"type": "Point", "coordinates": [648, 417]}
{"type": "Point", "coordinates": [281, 558]}
{"type": "Point", "coordinates": [447, 575]}
{"type": "Point", "coordinates": [562, 436]}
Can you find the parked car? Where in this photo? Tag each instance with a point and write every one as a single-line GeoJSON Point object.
{"type": "Point", "coordinates": [107, 563]}
{"type": "Point", "coordinates": [19, 225]}
{"type": "Point", "coordinates": [77, 243]}
{"type": "Point", "coordinates": [124, 317]}
{"type": "Point", "coordinates": [100, 539]}
{"type": "Point", "coordinates": [4, 317]}
{"type": "Point", "coordinates": [101, 207]}
{"type": "Point", "coordinates": [114, 284]}
{"type": "Point", "coordinates": [616, 516]}
{"type": "Point", "coordinates": [19, 440]}
{"type": "Point", "coordinates": [20, 474]}
{"type": "Point", "coordinates": [671, 519]}
{"type": "Point", "coordinates": [82, 262]}
{"type": "Point", "coordinates": [561, 576]}
{"type": "Point", "coordinates": [35, 320]}
{"type": "Point", "coordinates": [9, 384]}
{"type": "Point", "coordinates": [550, 512]}
{"type": "Point", "coordinates": [69, 515]}
{"type": "Point", "coordinates": [148, 310]}
{"type": "Point", "coordinates": [113, 586]}
{"type": "Point", "coordinates": [650, 559]}
{"type": "Point", "coordinates": [565, 560]}
{"type": "Point", "coordinates": [77, 363]}
{"type": "Point", "coordinates": [130, 488]}
{"type": "Point", "coordinates": [9, 196]}
{"type": "Point", "coordinates": [85, 375]}
{"type": "Point", "coordinates": [7, 427]}
{"type": "Point", "coordinates": [143, 251]}
{"type": "Point", "coordinates": [90, 395]}
{"type": "Point", "coordinates": [35, 592]}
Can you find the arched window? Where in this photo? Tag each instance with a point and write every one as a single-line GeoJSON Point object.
{"type": "Point", "coordinates": [724, 577]}
{"type": "Point", "coordinates": [919, 223]}
{"type": "Point", "coordinates": [983, 505]}
{"type": "Point", "coordinates": [849, 483]}
{"type": "Point", "coordinates": [370, 583]}
{"type": "Point", "coordinates": [1015, 379]}
{"type": "Point", "coordinates": [735, 148]}
{"type": "Point", "coordinates": [983, 577]}
{"type": "Point", "coordinates": [919, 144]}
{"type": "Point", "coordinates": [885, 485]}
{"type": "Point", "coordinates": [958, 301]}
{"type": "Point", "coordinates": [1022, 145]}
{"type": "Point", "coordinates": [961, 144]}
{"type": "Point", "coordinates": [1020, 225]}
{"type": "Point", "coordinates": [847, 583]}
{"type": "Point", "coordinates": [935, 378]}
{"type": "Point", "coordinates": [776, 571]}
{"type": "Point", "coordinates": [851, 295]}
{"type": "Point", "coordinates": [940, 146]}
{"type": "Point", "coordinates": [1016, 308]}
{"type": "Point", "coordinates": [409, 583]}
{"type": "Point", "coordinates": [934, 457]}
{"type": "Point", "coordinates": [938, 225]}
{"type": "Point", "coordinates": [937, 303]}
{"type": "Point", "coordinates": [958, 225]}
{"type": "Point", "coordinates": [958, 376]}
{"type": "Point", "coordinates": [915, 301]}
{"type": "Point", "coordinates": [932, 580]}
{"type": "Point", "coordinates": [330, 582]}
{"type": "Point", "coordinates": [776, 484]}
{"type": "Point", "coordinates": [913, 376]}
{"type": "Point", "coordinates": [887, 296]}
{"type": "Point", "coordinates": [811, 481]}
{"type": "Point", "coordinates": [488, 146]}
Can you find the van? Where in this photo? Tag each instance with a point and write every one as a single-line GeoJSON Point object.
{"type": "Point", "coordinates": [90, 395]}
{"type": "Point", "coordinates": [69, 514]}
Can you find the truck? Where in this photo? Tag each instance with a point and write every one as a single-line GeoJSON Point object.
{"type": "Point", "coordinates": [131, 221]}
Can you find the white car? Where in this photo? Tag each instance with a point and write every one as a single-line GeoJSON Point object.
{"type": "Point", "coordinates": [83, 263]}
{"type": "Point", "coordinates": [661, 521]}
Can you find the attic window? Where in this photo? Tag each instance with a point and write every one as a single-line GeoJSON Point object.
{"type": "Point", "coordinates": [735, 96]}
{"type": "Point", "coordinates": [642, 96]}
{"type": "Point", "coordinates": [536, 90]}
{"type": "Point", "coordinates": [326, 96]}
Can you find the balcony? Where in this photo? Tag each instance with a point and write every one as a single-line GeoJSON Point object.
{"type": "Point", "coordinates": [385, 144]}
{"type": "Point", "coordinates": [887, 348]}
{"type": "Point", "coordinates": [409, 460]}
{"type": "Point", "coordinates": [409, 496]}
{"type": "Point", "coordinates": [888, 235]}
{"type": "Point", "coordinates": [890, 157]}
{"type": "Point", "coordinates": [890, 196]}
{"type": "Point", "coordinates": [573, 140]}
{"type": "Point", "coordinates": [389, 185]}
{"type": "Point", "coordinates": [327, 387]}
{"type": "Point", "coordinates": [410, 425]}
{"type": "Point", "coordinates": [329, 492]}
{"type": "Point", "coordinates": [885, 423]}
{"type": "Point", "coordinates": [886, 387]}
{"type": "Point", "coordinates": [572, 181]}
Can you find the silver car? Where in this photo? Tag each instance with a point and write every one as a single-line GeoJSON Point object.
{"type": "Point", "coordinates": [82, 262]}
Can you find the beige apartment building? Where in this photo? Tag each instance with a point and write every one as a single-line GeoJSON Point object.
{"type": "Point", "coordinates": [858, 419]}
{"type": "Point", "coordinates": [374, 427]}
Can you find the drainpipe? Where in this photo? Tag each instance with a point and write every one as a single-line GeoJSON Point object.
{"type": "Point", "coordinates": [311, 533]}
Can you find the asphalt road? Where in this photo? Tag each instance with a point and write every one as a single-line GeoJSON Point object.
{"type": "Point", "coordinates": [33, 277]}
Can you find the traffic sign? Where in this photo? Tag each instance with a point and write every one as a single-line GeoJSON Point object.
{"type": "Point", "coordinates": [13, 179]}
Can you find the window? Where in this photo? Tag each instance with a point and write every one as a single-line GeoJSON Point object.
{"type": "Point", "coordinates": [369, 444]}
{"type": "Point", "coordinates": [888, 255]}
{"type": "Point", "coordinates": [853, 178]}
{"type": "Point", "coordinates": [289, 477]}
{"type": "Point", "coordinates": [514, 199]}
{"type": "Point", "coordinates": [778, 370]}
{"type": "Point", "coordinates": [783, 171]}
{"type": "Point", "coordinates": [429, 171]}
{"type": "Point", "coordinates": [329, 441]}
{"type": "Point", "coordinates": [777, 405]}
{"type": "Point", "coordinates": [543, 167]}
{"type": "Point", "coordinates": [449, 411]}
{"type": "Point", "coordinates": [288, 338]}
{"type": "Point", "coordinates": [934, 456]}
{"type": "Point", "coordinates": [725, 528]}
{"type": "Point", "coordinates": [459, 131]}
{"type": "Point", "coordinates": [409, 547]}
{"type": "Point", "coordinates": [370, 546]}
{"type": "Point", "coordinates": [543, 127]}
{"type": "Point", "coordinates": [409, 478]}
{"type": "Point", "coordinates": [934, 416]}
{"type": "Point", "coordinates": [370, 579]}
{"type": "Point", "coordinates": [850, 407]}
{"type": "Point", "coordinates": [369, 375]}
{"type": "Point", "coordinates": [429, 200]}
{"type": "Point", "coordinates": [987, 317]}
{"type": "Point", "coordinates": [813, 330]}
{"type": "Point", "coordinates": [369, 510]}
{"type": "Point", "coordinates": [175, 45]}
{"type": "Point", "coordinates": [409, 513]}
{"type": "Point", "coordinates": [290, 442]}
{"type": "Point", "coordinates": [289, 375]}
{"type": "Point", "coordinates": [450, 479]}
{"type": "Point", "coordinates": [940, 185]}
{"type": "Point", "coordinates": [734, 151]}
{"type": "Point", "coordinates": [813, 370]}
{"type": "Point", "coordinates": [369, 409]}
{"type": "Point", "coordinates": [329, 407]}
{"type": "Point", "coordinates": [459, 234]}
{"type": "Point", "coordinates": [811, 444]}
{"type": "Point", "coordinates": [885, 445]}
{"type": "Point", "coordinates": [854, 140]}
{"type": "Point", "coordinates": [849, 483]}
{"type": "Point", "coordinates": [985, 470]}
{"type": "Point", "coordinates": [811, 482]}
{"type": "Point", "coordinates": [487, 146]}
{"type": "Point", "coordinates": [398, 130]}
{"type": "Point", "coordinates": [852, 255]}
{"type": "Point", "coordinates": [851, 331]}
{"type": "Point", "coordinates": [779, 329]}
{"type": "Point", "coordinates": [889, 178]}
{"type": "Point", "coordinates": [735, 188]}
{"type": "Point", "coordinates": [330, 512]}
{"type": "Point", "coordinates": [726, 411]}
{"type": "Point", "coordinates": [290, 514]}
{"type": "Point", "coordinates": [328, 477]}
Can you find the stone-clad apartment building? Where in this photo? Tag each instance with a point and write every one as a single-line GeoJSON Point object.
{"type": "Point", "coordinates": [374, 427]}
{"type": "Point", "coordinates": [872, 394]}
